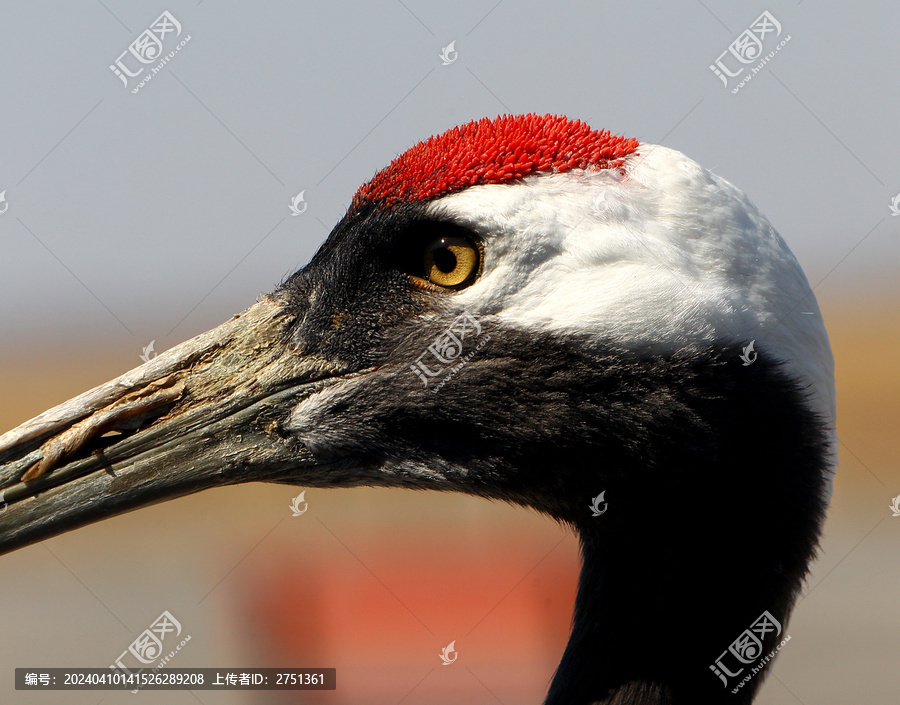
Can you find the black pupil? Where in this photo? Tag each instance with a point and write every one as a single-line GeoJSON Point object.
{"type": "Point", "coordinates": [444, 259]}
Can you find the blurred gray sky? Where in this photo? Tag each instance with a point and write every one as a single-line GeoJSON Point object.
{"type": "Point", "coordinates": [158, 214]}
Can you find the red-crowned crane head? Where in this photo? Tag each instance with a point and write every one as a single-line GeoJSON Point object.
{"type": "Point", "coordinates": [522, 309]}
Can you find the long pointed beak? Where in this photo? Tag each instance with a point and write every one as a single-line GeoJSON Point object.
{"type": "Point", "coordinates": [205, 413]}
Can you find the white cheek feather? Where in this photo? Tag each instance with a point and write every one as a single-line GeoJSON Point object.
{"type": "Point", "coordinates": [664, 255]}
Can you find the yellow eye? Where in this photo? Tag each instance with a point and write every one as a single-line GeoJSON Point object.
{"type": "Point", "coordinates": [451, 261]}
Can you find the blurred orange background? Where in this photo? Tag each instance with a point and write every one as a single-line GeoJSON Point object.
{"type": "Point", "coordinates": [377, 582]}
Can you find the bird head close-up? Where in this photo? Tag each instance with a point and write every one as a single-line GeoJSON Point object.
{"type": "Point", "coordinates": [525, 309]}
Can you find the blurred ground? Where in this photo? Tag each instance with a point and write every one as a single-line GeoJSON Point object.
{"type": "Point", "coordinates": [376, 583]}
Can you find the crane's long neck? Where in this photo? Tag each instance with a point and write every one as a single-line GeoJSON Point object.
{"type": "Point", "coordinates": [705, 532]}
{"type": "Point", "coordinates": [647, 633]}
